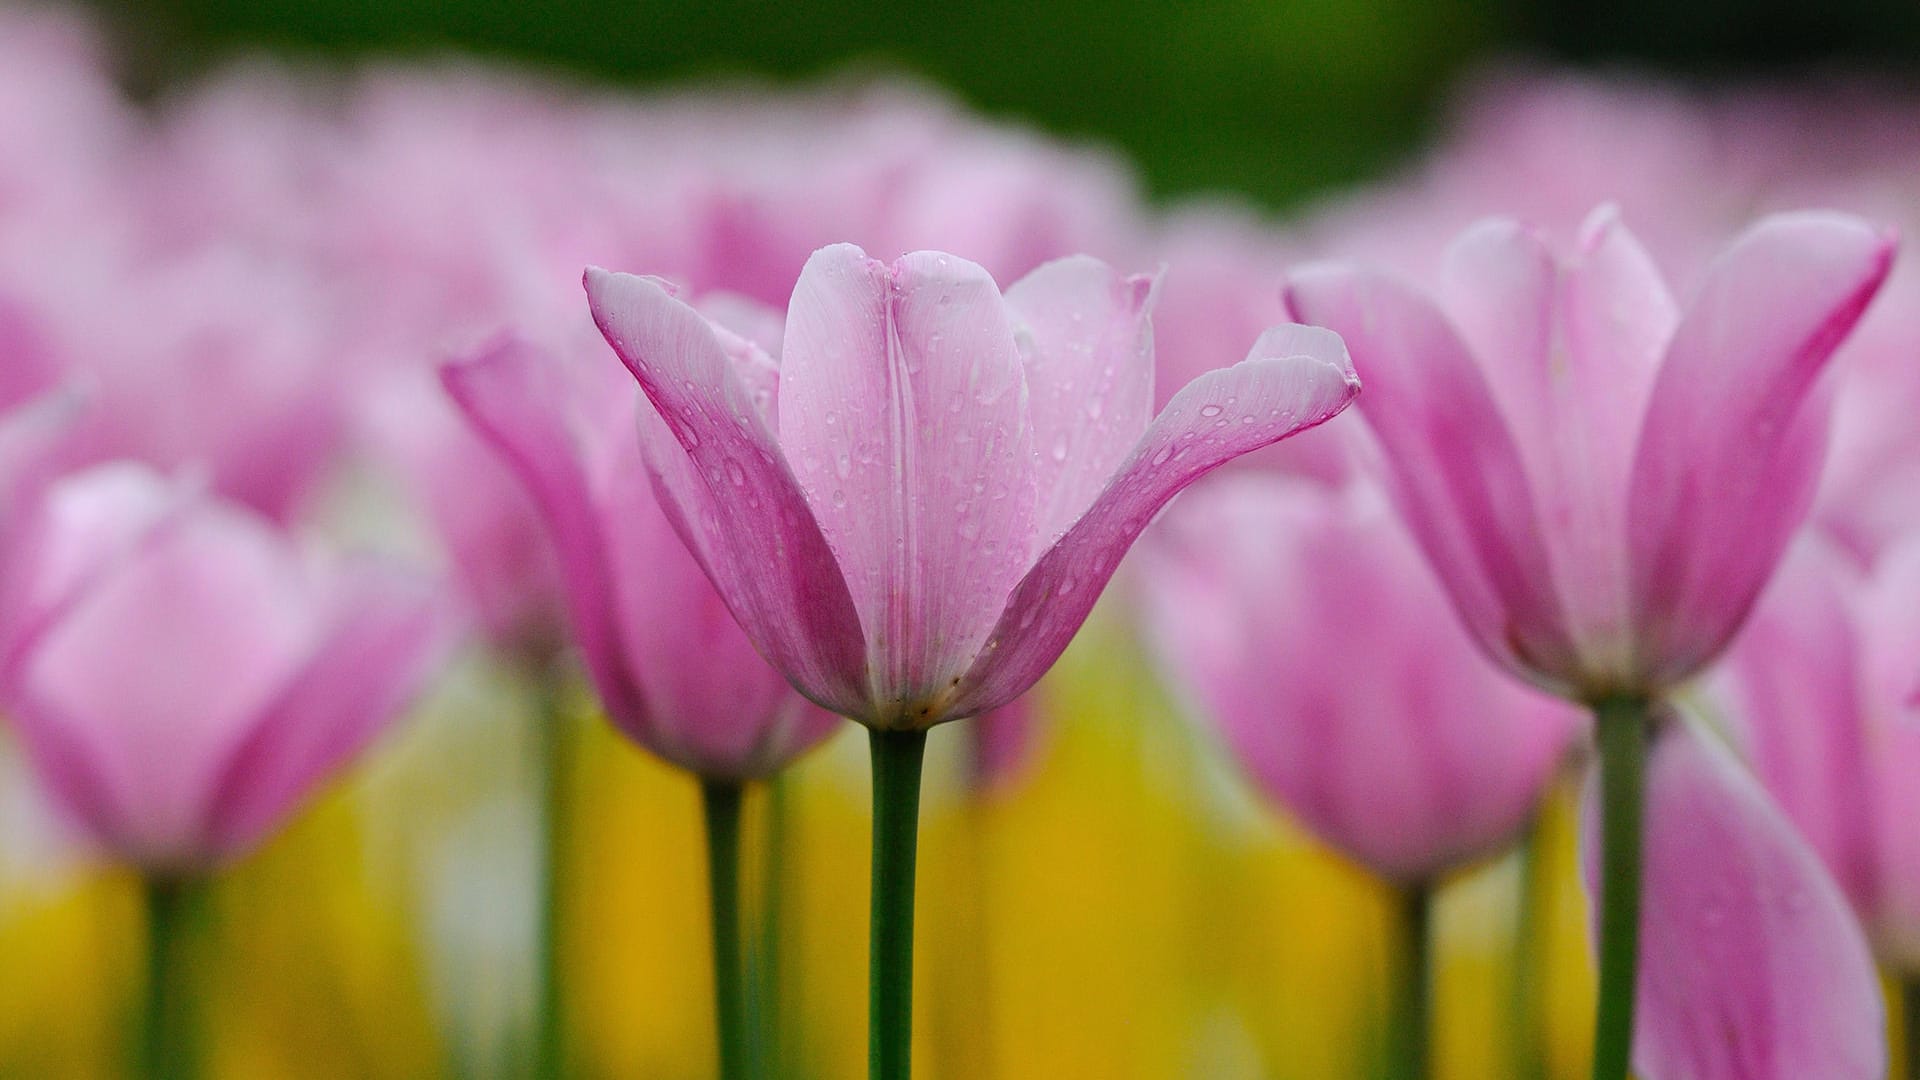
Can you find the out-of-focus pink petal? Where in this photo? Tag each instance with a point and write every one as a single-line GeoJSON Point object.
{"type": "Point", "coordinates": [1304, 623]}
{"type": "Point", "coordinates": [152, 676]}
{"type": "Point", "coordinates": [732, 495]}
{"type": "Point", "coordinates": [1294, 378]}
{"type": "Point", "coordinates": [1086, 339]}
{"type": "Point", "coordinates": [1455, 468]}
{"type": "Point", "coordinates": [1890, 683]}
{"type": "Point", "coordinates": [1752, 966]}
{"type": "Point", "coordinates": [390, 632]}
{"type": "Point", "coordinates": [83, 527]}
{"type": "Point", "coordinates": [503, 564]}
{"type": "Point", "coordinates": [1001, 744]}
{"type": "Point", "coordinates": [903, 410]}
{"type": "Point", "coordinates": [517, 401]}
{"type": "Point", "coordinates": [1793, 680]}
{"type": "Point", "coordinates": [1729, 449]}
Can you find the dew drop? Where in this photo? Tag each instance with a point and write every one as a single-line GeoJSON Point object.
{"type": "Point", "coordinates": [1165, 453]}
{"type": "Point", "coordinates": [1060, 447]}
{"type": "Point", "coordinates": [839, 497]}
{"type": "Point", "coordinates": [736, 474]}
{"type": "Point", "coordinates": [1209, 410]}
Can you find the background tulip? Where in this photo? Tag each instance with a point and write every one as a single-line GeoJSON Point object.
{"type": "Point", "coordinates": [245, 673]}
{"type": "Point", "coordinates": [1303, 625]}
{"type": "Point", "coordinates": [1821, 692]}
{"type": "Point", "coordinates": [673, 670]}
{"type": "Point", "coordinates": [1602, 479]}
{"type": "Point", "coordinates": [1301, 622]}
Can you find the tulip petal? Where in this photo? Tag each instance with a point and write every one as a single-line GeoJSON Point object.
{"type": "Point", "coordinates": [85, 526]}
{"type": "Point", "coordinates": [1307, 627]}
{"type": "Point", "coordinates": [134, 750]}
{"type": "Point", "coordinates": [390, 635]}
{"type": "Point", "coordinates": [1752, 967]}
{"type": "Point", "coordinates": [1729, 451]}
{"type": "Point", "coordinates": [730, 493]}
{"type": "Point", "coordinates": [1086, 340]}
{"type": "Point", "coordinates": [1454, 466]}
{"type": "Point", "coordinates": [517, 401]}
{"type": "Point", "coordinates": [1294, 378]}
{"type": "Point", "coordinates": [903, 408]}
{"type": "Point", "coordinates": [1793, 677]}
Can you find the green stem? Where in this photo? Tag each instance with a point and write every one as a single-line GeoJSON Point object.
{"type": "Point", "coordinates": [167, 1041]}
{"type": "Point", "coordinates": [1413, 995]}
{"type": "Point", "coordinates": [770, 1037]}
{"type": "Point", "coordinates": [1910, 1025]}
{"type": "Point", "coordinates": [1622, 728]}
{"type": "Point", "coordinates": [721, 800]}
{"type": "Point", "coordinates": [555, 749]}
{"type": "Point", "coordinates": [896, 825]}
{"type": "Point", "coordinates": [1525, 1039]}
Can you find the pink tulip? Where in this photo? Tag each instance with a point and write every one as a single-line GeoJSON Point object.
{"type": "Point", "coordinates": [673, 669]}
{"type": "Point", "coordinates": [1823, 692]}
{"type": "Point", "coordinates": [1303, 624]}
{"type": "Point", "coordinates": [500, 556]}
{"type": "Point", "coordinates": [190, 686]}
{"type": "Point", "coordinates": [1752, 967]}
{"type": "Point", "coordinates": [913, 512]}
{"type": "Point", "coordinates": [1603, 479]}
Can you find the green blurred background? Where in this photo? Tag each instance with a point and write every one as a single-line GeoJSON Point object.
{"type": "Point", "coordinates": [1274, 100]}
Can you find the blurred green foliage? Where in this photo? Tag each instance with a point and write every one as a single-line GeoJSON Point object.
{"type": "Point", "coordinates": [1275, 99]}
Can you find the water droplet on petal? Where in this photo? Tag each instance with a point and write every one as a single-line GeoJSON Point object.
{"type": "Point", "coordinates": [1209, 410]}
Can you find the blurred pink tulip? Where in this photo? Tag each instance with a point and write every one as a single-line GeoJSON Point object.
{"type": "Point", "coordinates": [1752, 967]}
{"type": "Point", "coordinates": [1604, 480]}
{"type": "Point", "coordinates": [673, 669]}
{"type": "Point", "coordinates": [501, 557]}
{"type": "Point", "coordinates": [1822, 690]}
{"type": "Point", "coordinates": [914, 511]}
{"type": "Point", "coordinates": [1302, 622]}
{"type": "Point", "coordinates": [195, 676]}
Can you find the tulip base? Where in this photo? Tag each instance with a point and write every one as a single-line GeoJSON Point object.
{"type": "Point", "coordinates": [897, 756]}
{"type": "Point", "coordinates": [167, 1042]}
{"type": "Point", "coordinates": [721, 800]}
{"type": "Point", "coordinates": [1623, 735]}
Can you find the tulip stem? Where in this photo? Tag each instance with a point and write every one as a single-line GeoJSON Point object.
{"type": "Point", "coordinates": [167, 1047]}
{"type": "Point", "coordinates": [1910, 1025]}
{"type": "Point", "coordinates": [555, 758]}
{"type": "Point", "coordinates": [771, 1042]}
{"type": "Point", "coordinates": [1413, 997]}
{"type": "Point", "coordinates": [1622, 728]}
{"type": "Point", "coordinates": [721, 800]}
{"type": "Point", "coordinates": [896, 825]}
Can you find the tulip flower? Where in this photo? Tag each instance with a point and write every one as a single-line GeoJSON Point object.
{"type": "Point", "coordinates": [190, 687]}
{"type": "Point", "coordinates": [1822, 692]}
{"type": "Point", "coordinates": [672, 667]}
{"type": "Point", "coordinates": [913, 511]}
{"type": "Point", "coordinates": [1302, 622]}
{"type": "Point", "coordinates": [1602, 479]}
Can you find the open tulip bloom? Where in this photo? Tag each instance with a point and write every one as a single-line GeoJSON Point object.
{"type": "Point", "coordinates": [1603, 480]}
{"type": "Point", "coordinates": [187, 678]}
{"type": "Point", "coordinates": [913, 510]}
